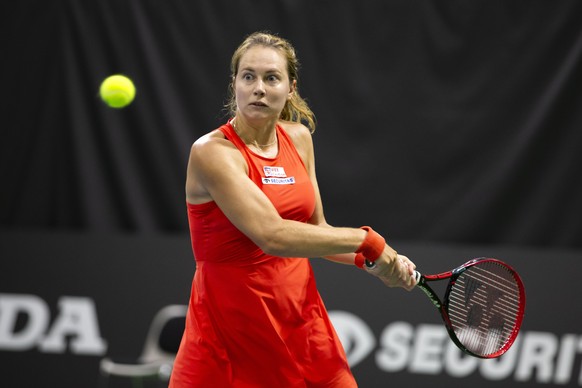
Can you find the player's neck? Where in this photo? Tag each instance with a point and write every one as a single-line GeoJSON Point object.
{"type": "Point", "coordinates": [262, 138]}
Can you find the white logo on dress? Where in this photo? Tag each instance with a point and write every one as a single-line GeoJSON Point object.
{"type": "Point", "coordinates": [278, 172]}
{"type": "Point", "coordinates": [279, 181]}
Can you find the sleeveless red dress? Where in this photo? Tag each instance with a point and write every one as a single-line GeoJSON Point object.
{"type": "Point", "coordinates": [256, 320]}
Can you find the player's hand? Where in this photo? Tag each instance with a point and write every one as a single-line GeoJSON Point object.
{"type": "Point", "coordinates": [394, 270]}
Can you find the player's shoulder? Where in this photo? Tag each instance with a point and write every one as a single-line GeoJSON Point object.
{"type": "Point", "coordinates": [212, 145]}
{"type": "Point", "coordinates": [211, 140]}
{"type": "Point", "coordinates": [298, 132]}
{"type": "Point", "coordinates": [295, 129]}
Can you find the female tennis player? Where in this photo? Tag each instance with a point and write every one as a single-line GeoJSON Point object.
{"type": "Point", "coordinates": [255, 317]}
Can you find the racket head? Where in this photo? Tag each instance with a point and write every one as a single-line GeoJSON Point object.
{"type": "Point", "coordinates": [484, 305]}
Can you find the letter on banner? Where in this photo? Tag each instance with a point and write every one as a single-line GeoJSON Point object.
{"type": "Point", "coordinates": [77, 318]}
{"type": "Point", "coordinates": [37, 313]}
{"type": "Point", "coordinates": [395, 343]}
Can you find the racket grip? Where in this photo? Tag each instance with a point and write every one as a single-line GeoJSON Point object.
{"type": "Point", "coordinates": [417, 276]}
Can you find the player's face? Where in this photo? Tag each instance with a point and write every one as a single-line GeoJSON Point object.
{"type": "Point", "coordinates": [262, 84]}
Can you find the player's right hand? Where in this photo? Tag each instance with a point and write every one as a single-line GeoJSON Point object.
{"type": "Point", "coordinates": [394, 270]}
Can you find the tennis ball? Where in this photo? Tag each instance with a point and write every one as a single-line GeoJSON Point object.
{"type": "Point", "coordinates": [117, 91]}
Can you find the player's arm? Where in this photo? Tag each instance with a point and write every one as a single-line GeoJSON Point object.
{"type": "Point", "coordinates": [217, 171]}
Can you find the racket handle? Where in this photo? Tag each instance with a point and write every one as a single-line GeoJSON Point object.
{"type": "Point", "coordinates": [417, 276]}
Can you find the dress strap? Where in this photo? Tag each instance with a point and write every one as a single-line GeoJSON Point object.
{"type": "Point", "coordinates": [231, 135]}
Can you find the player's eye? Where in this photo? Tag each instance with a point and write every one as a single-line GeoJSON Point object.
{"type": "Point", "coordinates": [247, 77]}
{"type": "Point", "coordinates": [272, 79]}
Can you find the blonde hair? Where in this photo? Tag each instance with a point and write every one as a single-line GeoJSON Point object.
{"type": "Point", "coordinates": [296, 108]}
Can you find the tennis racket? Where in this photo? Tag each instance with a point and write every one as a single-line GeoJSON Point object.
{"type": "Point", "coordinates": [483, 306]}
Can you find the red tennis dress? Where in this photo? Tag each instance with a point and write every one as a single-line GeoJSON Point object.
{"type": "Point", "coordinates": [256, 320]}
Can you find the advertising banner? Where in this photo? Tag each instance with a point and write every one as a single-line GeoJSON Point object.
{"type": "Point", "coordinates": [68, 300]}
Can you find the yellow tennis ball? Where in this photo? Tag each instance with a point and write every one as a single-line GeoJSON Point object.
{"type": "Point", "coordinates": [117, 91]}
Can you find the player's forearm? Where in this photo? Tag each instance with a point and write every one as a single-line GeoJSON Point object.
{"type": "Point", "coordinates": [342, 258]}
{"type": "Point", "coordinates": [295, 239]}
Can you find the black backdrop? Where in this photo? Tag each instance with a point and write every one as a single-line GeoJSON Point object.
{"type": "Point", "coordinates": [449, 121]}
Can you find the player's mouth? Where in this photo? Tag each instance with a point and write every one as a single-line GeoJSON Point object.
{"type": "Point", "coordinates": [259, 104]}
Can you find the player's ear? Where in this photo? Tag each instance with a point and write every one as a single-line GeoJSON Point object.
{"type": "Point", "coordinates": [292, 87]}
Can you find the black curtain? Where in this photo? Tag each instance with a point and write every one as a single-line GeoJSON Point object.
{"type": "Point", "coordinates": [454, 121]}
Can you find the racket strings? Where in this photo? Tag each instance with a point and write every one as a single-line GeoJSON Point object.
{"type": "Point", "coordinates": [484, 305]}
